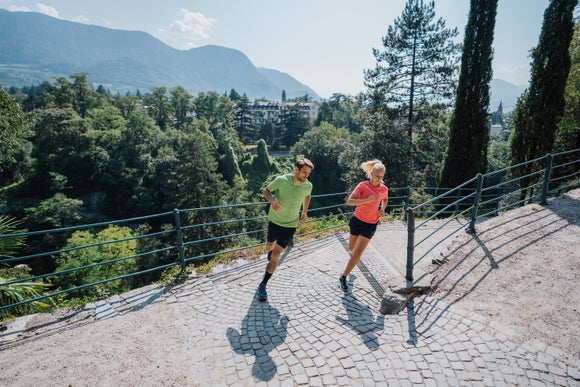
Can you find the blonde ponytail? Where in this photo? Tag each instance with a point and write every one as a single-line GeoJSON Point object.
{"type": "Point", "coordinates": [372, 165]}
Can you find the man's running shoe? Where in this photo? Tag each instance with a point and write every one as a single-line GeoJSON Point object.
{"type": "Point", "coordinates": [342, 283]}
{"type": "Point", "coordinates": [262, 294]}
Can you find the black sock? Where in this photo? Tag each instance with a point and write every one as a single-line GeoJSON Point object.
{"type": "Point", "coordinates": [267, 277]}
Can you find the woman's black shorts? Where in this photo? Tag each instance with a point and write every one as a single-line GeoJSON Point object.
{"type": "Point", "coordinates": [358, 227]}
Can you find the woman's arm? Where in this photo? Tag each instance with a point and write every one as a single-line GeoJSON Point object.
{"type": "Point", "coordinates": [355, 201]}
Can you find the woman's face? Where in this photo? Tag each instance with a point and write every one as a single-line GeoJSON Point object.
{"type": "Point", "coordinates": [377, 176]}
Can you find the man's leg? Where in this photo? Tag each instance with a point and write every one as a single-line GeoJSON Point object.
{"type": "Point", "coordinates": [274, 256]}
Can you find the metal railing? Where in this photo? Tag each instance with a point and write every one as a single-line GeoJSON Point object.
{"type": "Point", "coordinates": [477, 198]}
{"type": "Point", "coordinates": [93, 261]}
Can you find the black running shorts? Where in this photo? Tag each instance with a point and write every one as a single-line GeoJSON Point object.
{"type": "Point", "coordinates": [358, 227]}
{"type": "Point", "coordinates": [281, 235]}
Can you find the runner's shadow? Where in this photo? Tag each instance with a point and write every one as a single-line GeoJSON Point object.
{"type": "Point", "coordinates": [361, 320]}
{"type": "Point", "coordinates": [263, 329]}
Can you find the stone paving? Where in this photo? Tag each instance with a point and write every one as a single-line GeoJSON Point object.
{"type": "Point", "coordinates": [311, 333]}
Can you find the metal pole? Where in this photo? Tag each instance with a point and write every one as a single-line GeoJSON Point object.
{"type": "Point", "coordinates": [410, 243]}
{"type": "Point", "coordinates": [546, 185]}
{"type": "Point", "coordinates": [179, 239]}
{"type": "Point", "coordinates": [471, 227]}
{"type": "Point", "coordinates": [406, 202]}
{"type": "Point", "coordinates": [457, 202]}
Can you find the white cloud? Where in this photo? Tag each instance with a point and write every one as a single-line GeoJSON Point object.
{"type": "Point", "coordinates": [81, 19]}
{"type": "Point", "coordinates": [189, 30]}
{"type": "Point", "coordinates": [47, 10]}
{"type": "Point", "coordinates": [15, 8]}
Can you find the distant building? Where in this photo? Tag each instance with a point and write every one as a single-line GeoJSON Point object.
{"type": "Point", "coordinates": [270, 111]}
{"type": "Point", "coordinates": [495, 129]}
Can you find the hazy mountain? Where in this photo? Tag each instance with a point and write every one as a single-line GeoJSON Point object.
{"type": "Point", "coordinates": [506, 92]}
{"type": "Point", "coordinates": [285, 82]}
{"type": "Point", "coordinates": [35, 48]}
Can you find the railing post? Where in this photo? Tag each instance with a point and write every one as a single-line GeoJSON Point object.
{"type": "Point", "coordinates": [457, 198]}
{"type": "Point", "coordinates": [471, 227]}
{"type": "Point", "coordinates": [547, 173]}
{"type": "Point", "coordinates": [410, 243]}
{"type": "Point", "coordinates": [406, 203]}
{"type": "Point", "coordinates": [179, 239]}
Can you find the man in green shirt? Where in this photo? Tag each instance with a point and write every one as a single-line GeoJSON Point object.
{"type": "Point", "coordinates": [286, 194]}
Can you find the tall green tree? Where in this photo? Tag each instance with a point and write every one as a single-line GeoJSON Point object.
{"type": "Point", "coordinates": [416, 67]}
{"type": "Point", "coordinates": [13, 123]}
{"type": "Point", "coordinates": [243, 120]}
{"type": "Point", "coordinates": [84, 97]}
{"type": "Point", "coordinates": [469, 130]}
{"type": "Point", "coordinates": [58, 138]}
{"type": "Point", "coordinates": [541, 107]}
{"type": "Point", "coordinates": [158, 106]}
{"type": "Point", "coordinates": [257, 169]}
{"type": "Point", "coordinates": [419, 61]}
{"type": "Point", "coordinates": [568, 134]}
{"type": "Point", "coordinates": [182, 106]}
{"type": "Point", "coordinates": [293, 124]}
{"type": "Point", "coordinates": [323, 145]}
{"type": "Point", "coordinates": [381, 138]}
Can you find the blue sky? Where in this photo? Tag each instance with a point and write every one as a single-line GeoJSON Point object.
{"type": "Point", "coordinates": [325, 44]}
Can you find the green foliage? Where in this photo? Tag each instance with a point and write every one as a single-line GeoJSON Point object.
{"type": "Point", "coordinates": [11, 293]}
{"type": "Point", "coordinates": [158, 106]}
{"type": "Point", "coordinates": [56, 212]}
{"type": "Point", "coordinates": [20, 291]}
{"type": "Point", "coordinates": [13, 123]}
{"type": "Point", "coordinates": [293, 124]}
{"type": "Point", "coordinates": [416, 69]}
{"type": "Point", "coordinates": [383, 139]}
{"type": "Point", "coordinates": [229, 167]}
{"type": "Point", "coordinates": [173, 276]}
{"type": "Point", "coordinates": [341, 112]}
{"type": "Point", "coordinates": [9, 245]}
{"type": "Point", "coordinates": [540, 109]}
{"type": "Point", "coordinates": [323, 145]}
{"type": "Point", "coordinates": [466, 154]}
{"type": "Point", "coordinates": [320, 227]}
{"type": "Point", "coordinates": [94, 257]}
{"type": "Point", "coordinates": [258, 168]}
{"type": "Point", "coordinates": [243, 121]}
{"type": "Point", "coordinates": [182, 106]}
{"type": "Point", "coordinates": [568, 133]}
{"type": "Point", "coordinates": [418, 61]}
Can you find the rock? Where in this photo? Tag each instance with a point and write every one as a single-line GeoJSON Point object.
{"type": "Point", "coordinates": [393, 303]}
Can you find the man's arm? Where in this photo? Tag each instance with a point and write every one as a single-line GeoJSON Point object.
{"type": "Point", "coordinates": [276, 206]}
{"type": "Point", "coordinates": [305, 206]}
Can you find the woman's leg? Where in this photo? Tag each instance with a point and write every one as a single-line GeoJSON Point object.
{"type": "Point", "coordinates": [352, 240]}
{"type": "Point", "coordinates": [358, 248]}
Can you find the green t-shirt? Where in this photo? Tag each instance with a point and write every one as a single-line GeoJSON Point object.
{"type": "Point", "coordinates": [291, 196]}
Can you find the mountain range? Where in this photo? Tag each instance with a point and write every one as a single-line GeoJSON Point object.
{"type": "Point", "coordinates": [35, 48]}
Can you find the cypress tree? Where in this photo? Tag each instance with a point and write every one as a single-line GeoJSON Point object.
{"type": "Point", "coordinates": [542, 105]}
{"type": "Point", "coordinates": [469, 130]}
